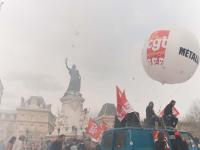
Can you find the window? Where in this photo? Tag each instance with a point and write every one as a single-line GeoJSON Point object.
{"type": "Point", "coordinates": [121, 139]}
{"type": "Point", "coordinates": [146, 142]}
{"type": "Point", "coordinates": [107, 141]}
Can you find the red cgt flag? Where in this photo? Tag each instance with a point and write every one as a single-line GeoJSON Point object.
{"type": "Point", "coordinates": [92, 129]}
{"type": "Point", "coordinates": [95, 130]}
{"type": "Point", "coordinates": [123, 106]}
{"type": "Point", "coordinates": [174, 111]}
{"type": "Point", "coordinates": [102, 127]}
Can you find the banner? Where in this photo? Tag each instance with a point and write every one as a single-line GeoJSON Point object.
{"type": "Point", "coordinates": [123, 106]}
{"type": "Point", "coordinates": [92, 129]}
{"type": "Point", "coordinates": [95, 131]}
{"type": "Point", "coordinates": [102, 127]}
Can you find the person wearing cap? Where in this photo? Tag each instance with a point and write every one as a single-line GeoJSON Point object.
{"type": "Point", "coordinates": [169, 117]}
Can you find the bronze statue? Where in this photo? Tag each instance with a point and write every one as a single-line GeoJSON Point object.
{"type": "Point", "coordinates": [75, 80]}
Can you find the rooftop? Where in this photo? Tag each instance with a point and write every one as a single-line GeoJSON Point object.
{"type": "Point", "coordinates": [107, 109]}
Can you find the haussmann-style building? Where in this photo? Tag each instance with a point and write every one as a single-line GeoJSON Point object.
{"type": "Point", "coordinates": [33, 119]}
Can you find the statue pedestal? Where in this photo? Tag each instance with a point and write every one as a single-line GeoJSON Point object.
{"type": "Point", "coordinates": [72, 111]}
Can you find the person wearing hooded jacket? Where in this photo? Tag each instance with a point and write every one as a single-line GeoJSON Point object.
{"type": "Point", "coordinates": [151, 115]}
{"type": "Point", "coordinates": [168, 116]}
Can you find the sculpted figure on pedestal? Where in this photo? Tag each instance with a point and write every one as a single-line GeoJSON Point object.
{"type": "Point", "coordinates": [75, 80]}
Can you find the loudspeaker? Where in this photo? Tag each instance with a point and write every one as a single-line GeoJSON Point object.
{"type": "Point", "coordinates": [131, 120]}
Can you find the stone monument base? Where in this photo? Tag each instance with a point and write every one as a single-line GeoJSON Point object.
{"type": "Point", "coordinates": [72, 115]}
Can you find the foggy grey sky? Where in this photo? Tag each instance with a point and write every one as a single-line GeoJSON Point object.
{"type": "Point", "coordinates": [104, 38]}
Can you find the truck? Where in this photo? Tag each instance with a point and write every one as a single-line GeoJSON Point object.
{"type": "Point", "coordinates": [140, 138]}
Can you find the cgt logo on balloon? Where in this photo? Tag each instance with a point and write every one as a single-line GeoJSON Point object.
{"type": "Point", "coordinates": [171, 56]}
{"type": "Point", "coordinates": [157, 46]}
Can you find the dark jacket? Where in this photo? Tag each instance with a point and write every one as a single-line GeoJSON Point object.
{"type": "Point", "coordinates": [168, 110]}
{"type": "Point", "coordinates": [149, 112]}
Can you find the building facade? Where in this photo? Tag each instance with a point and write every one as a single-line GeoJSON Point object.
{"type": "Point", "coordinates": [33, 119]}
{"type": "Point", "coordinates": [7, 122]}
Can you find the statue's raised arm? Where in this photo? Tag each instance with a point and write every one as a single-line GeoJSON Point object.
{"type": "Point", "coordinates": [66, 62]}
{"type": "Point", "coordinates": [75, 79]}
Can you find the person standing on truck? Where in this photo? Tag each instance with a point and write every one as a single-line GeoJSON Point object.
{"type": "Point", "coordinates": [161, 143]}
{"type": "Point", "coordinates": [151, 115]}
{"type": "Point", "coordinates": [168, 116]}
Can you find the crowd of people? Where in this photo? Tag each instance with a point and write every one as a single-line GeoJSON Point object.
{"type": "Point", "coordinates": [72, 144]}
{"type": "Point", "coordinates": [178, 142]}
{"type": "Point", "coordinates": [53, 143]}
{"type": "Point", "coordinates": [62, 143]}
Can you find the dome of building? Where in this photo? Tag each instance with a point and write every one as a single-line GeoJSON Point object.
{"type": "Point", "coordinates": [36, 101]}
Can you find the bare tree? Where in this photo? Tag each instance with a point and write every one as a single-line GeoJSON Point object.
{"type": "Point", "coordinates": [194, 112]}
{"type": "Point", "coordinates": [191, 121]}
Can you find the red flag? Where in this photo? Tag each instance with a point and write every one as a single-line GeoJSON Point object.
{"type": "Point", "coordinates": [92, 129]}
{"type": "Point", "coordinates": [95, 130]}
{"type": "Point", "coordinates": [123, 106]}
{"type": "Point", "coordinates": [102, 127]}
{"type": "Point", "coordinates": [174, 111]}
